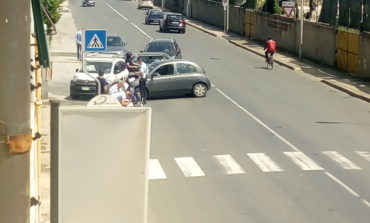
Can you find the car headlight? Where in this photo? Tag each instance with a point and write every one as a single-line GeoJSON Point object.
{"type": "Point", "coordinates": [75, 78]}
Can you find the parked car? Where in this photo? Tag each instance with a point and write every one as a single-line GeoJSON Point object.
{"type": "Point", "coordinates": [88, 3]}
{"type": "Point", "coordinates": [153, 16]}
{"type": "Point", "coordinates": [84, 84]}
{"type": "Point", "coordinates": [145, 4]}
{"type": "Point", "coordinates": [115, 43]}
{"type": "Point", "coordinates": [175, 77]}
{"type": "Point", "coordinates": [172, 21]}
{"type": "Point", "coordinates": [168, 46]}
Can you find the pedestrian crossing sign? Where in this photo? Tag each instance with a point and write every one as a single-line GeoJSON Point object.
{"type": "Point", "coordinates": [94, 40]}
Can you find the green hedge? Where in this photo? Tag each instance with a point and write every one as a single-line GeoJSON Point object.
{"type": "Point", "coordinates": [52, 6]}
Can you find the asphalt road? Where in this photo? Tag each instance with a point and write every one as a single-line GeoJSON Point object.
{"type": "Point", "coordinates": [263, 146]}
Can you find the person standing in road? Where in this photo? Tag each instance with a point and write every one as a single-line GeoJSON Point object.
{"type": "Point", "coordinates": [79, 44]}
{"type": "Point", "coordinates": [102, 81]}
{"type": "Point", "coordinates": [143, 72]}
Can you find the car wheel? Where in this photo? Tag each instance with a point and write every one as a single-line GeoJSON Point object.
{"type": "Point", "coordinates": [183, 31]}
{"type": "Point", "coordinates": [199, 90]}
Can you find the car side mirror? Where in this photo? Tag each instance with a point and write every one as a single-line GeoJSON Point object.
{"type": "Point", "coordinates": [125, 43]}
{"type": "Point", "coordinates": [77, 70]}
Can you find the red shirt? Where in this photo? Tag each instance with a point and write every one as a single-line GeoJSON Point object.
{"type": "Point", "coordinates": [271, 45]}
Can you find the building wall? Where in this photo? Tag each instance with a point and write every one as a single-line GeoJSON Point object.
{"type": "Point", "coordinates": [236, 23]}
{"type": "Point", "coordinates": [319, 42]}
{"type": "Point", "coordinates": [283, 30]}
{"type": "Point", "coordinates": [364, 57]}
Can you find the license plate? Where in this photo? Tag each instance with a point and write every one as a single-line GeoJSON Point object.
{"type": "Point", "coordinates": [175, 23]}
{"type": "Point", "coordinates": [85, 88]}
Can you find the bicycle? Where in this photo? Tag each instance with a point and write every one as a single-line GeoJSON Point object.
{"type": "Point", "coordinates": [269, 62]}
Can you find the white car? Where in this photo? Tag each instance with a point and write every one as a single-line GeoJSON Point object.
{"type": "Point", "coordinates": [145, 4]}
{"type": "Point", "coordinates": [84, 82]}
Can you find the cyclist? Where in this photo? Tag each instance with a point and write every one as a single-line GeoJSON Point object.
{"type": "Point", "coordinates": [270, 47]}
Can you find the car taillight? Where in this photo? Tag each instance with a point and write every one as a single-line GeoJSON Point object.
{"type": "Point", "coordinates": [168, 21]}
{"type": "Point", "coordinates": [182, 22]}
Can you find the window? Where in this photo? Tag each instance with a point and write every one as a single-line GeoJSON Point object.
{"type": "Point", "coordinates": [183, 68]}
{"type": "Point", "coordinates": [165, 70]}
{"type": "Point", "coordinates": [114, 41]}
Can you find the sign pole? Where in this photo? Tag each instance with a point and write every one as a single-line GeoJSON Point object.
{"type": "Point", "coordinates": [301, 31]}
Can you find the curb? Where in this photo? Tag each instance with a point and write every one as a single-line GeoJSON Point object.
{"type": "Point", "coordinates": [262, 55]}
{"type": "Point", "coordinates": [344, 89]}
{"type": "Point", "coordinates": [200, 28]}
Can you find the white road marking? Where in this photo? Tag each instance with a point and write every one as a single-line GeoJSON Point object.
{"type": "Point", "coordinates": [364, 154]}
{"type": "Point", "coordinates": [366, 202]}
{"type": "Point", "coordinates": [189, 167]}
{"type": "Point", "coordinates": [303, 161]}
{"type": "Point", "coordinates": [341, 160]}
{"type": "Point", "coordinates": [273, 132]}
{"type": "Point", "coordinates": [229, 165]}
{"type": "Point", "coordinates": [122, 16]}
{"type": "Point", "coordinates": [156, 170]}
{"type": "Point", "coordinates": [342, 184]}
{"type": "Point", "coordinates": [265, 163]}
{"type": "Point", "coordinates": [117, 12]}
{"type": "Point", "coordinates": [258, 120]}
{"type": "Point", "coordinates": [142, 31]}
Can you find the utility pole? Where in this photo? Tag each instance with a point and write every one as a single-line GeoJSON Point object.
{"type": "Point", "coordinates": [14, 110]}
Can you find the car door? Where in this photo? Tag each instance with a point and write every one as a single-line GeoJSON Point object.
{"type": "Point", "coordinates": [185, 77]}
{"type": "Point", "coordinates": [161, 80]}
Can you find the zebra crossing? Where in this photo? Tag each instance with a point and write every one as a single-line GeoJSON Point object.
{"type": "Point", "coordinates": [229, 166]}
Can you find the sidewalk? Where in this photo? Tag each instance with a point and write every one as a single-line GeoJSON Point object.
{"type": "Point", "coordinates": [62, 50]}
{"type": "Point", "coordinates": [330, 76]}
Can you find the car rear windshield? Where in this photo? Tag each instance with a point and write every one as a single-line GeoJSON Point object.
{"type": "Point", "coordinates": [175, 17]}
{"type": "Point", "coordinates": [156, 12]}
{"type": "Point", "coordinates": [95, 66]}
{"type": "Point", "coordinates": [114, 41]}
{"type": "Point", "coordinates": [161, 47]}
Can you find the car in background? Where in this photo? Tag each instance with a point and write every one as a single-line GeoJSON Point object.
{"type": "Point", "coordinates": [153, 16]}
{"type": "Point", "coordinates": [145, 4]}
{"type": "Point", "coordinates": [150, 57]}
{"type": "Point", "coordinates": [168, 46]}
{"type": "Point", "coordinates": [115, 43]}
{"type": "Point", "coordinates": [175, 78]}
{"type": "Point", "coordinates": [84, 82]}
{"type": "Point", "coordinates": [172, 21]}
{"type": "Point", "coordinates": [88, 3]}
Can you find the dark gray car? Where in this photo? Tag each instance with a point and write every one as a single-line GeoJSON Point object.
{"type": "Point", "coordinates": [168, 46]}
{"type": "Point", "coordinates": [176, 77]}
{"type": "Point", "coordinates": [115, 43]}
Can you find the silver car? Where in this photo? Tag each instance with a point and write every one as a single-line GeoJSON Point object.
{"type": "Point", "coordinates": [176, 77]}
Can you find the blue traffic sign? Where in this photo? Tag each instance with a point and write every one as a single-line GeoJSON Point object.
{"type": "Point", "coordinates": [95, 40]}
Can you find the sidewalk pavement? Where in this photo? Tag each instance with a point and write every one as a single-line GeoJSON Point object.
{"type": "Point", "coordinates": [62, 50]}
{"type": "Point", "coordinates": [330, 76]}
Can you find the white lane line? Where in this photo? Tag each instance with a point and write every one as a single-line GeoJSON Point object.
{"type": "Point", "coordinates": [364, 154]}
{"type": "Point", "coordinates": [342, 184]}
{"type": "Point", "coordinates": [117, 12]}
{"type": "Point", "coordinates": [189, 167]}
{"type": "Point", "coordinates": [142, 31]}
{"type": "Point", "coordinates": [265, 163]}
{"type": "Point", "coordinates": [303, 161]}
{"type": "Point", "coordinates": [258, 120]}
{"type": "Point", "coordinates": [366, 202]}
{"type": "Point", "coordinates": [138, 28]}
{"type": "Point", "coordinates": [230, 166]}
{"type": "Point", "coordinates": [341, 160]}
{"type": "Point", "coordinates": [156, 170]}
